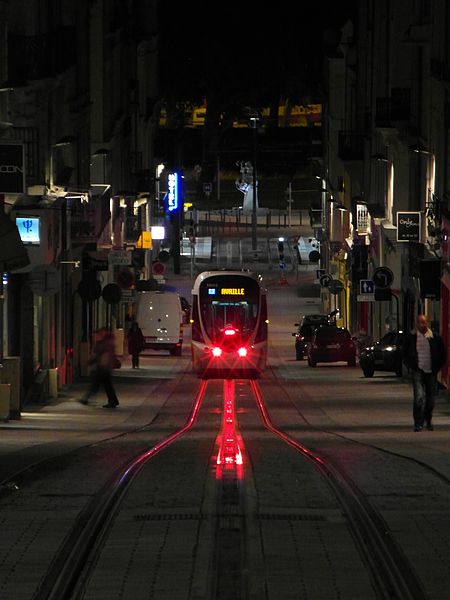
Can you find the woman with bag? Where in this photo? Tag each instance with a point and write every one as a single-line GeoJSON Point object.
{"type": "Point", "coordinates": [135, 343]}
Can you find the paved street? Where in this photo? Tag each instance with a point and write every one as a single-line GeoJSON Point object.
{"type": "Point", "coordinates": [327, 409]}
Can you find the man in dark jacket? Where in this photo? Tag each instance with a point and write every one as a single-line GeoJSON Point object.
{"type": "Point", "coordinates": [424, 354]}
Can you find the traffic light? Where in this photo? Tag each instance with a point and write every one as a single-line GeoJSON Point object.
{"type": "Point", "coordinates": [281, 249]}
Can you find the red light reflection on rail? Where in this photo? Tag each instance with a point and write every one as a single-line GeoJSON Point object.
{"type": "Point", "coordinates": [229, 456]}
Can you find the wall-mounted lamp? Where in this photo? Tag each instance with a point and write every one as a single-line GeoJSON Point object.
{"type": "Point", "coordinates": [419, 149]}
{"type": "Point", "coordinates": [101, 152]}
{"type": "Point", "coordinates": [12, 84]}
{"type": "Point", "coordinates": [381, 158]}
{"type": "Point", "coordinates": [66, 140]}
{"type": "Point", "coordinates": [75, 263]}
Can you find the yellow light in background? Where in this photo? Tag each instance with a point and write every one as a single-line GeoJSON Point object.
{"type": "Point", "coordinates": [145, 241]}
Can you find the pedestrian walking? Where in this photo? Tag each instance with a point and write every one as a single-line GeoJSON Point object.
{"type": "Point", "coordinates": [424, 354]}
{"type": "Point", "coordinates": [103, 360]}
{"type": "Point", "coordinates": [135, 343]}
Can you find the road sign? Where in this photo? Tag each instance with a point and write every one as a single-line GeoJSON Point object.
{"type": "Point", "coordinates": [365, 298]}
{"type": "Point", "coordinates": [336, 286]}
{"type": "Point", "coordinates": [383, 277]}
{"type": "Point", "coordinates": [366, 286]}
{"type": "Point", "coordinates": [325, 280]}
{"type": "Point", "coordinates": [120, 257]}
{"type": "Point", "coordinates": [158, 268]}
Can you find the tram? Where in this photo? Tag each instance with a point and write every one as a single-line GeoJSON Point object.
{"type": "Point", "coordinates": [229, 324]}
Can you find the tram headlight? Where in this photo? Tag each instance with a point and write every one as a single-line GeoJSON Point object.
{"type": "Point", "coordinates": [242, 352]}
{"type": "Point", "coordinates": [216, 351]}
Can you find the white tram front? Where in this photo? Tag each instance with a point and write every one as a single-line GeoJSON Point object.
{"type": "Point", "coordinates": [229, 324]}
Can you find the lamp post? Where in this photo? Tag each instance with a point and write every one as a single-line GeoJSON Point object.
{"type": "Point", "coordinates": [254, 121]}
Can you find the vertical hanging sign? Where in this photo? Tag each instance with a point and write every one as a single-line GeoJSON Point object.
{"type": "Point", "coordinates": [173, 194]}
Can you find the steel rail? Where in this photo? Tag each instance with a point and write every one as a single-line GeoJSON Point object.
{"type": "Point", "coordinates": [392, 574]}
{"type": "Point", "coordinates": [65, 577]}
{"type": "Point", "coordinates": [10, 483]}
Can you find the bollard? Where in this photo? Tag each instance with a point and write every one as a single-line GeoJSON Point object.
{"type": "Point", "coordinates": [119, 336]}
{"type": "Point", "coordinates": [53, 383]}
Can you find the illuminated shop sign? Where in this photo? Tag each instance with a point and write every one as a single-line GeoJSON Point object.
{"type": "Point", "coordinates": [409, 226]}
{"type": "Point", "coordinates": [29, 229]}
{"type": "Point", "coordinates": [173, 194]}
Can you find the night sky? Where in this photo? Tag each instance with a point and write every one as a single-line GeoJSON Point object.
{"type": "Point", "coordinates": [249, 50]}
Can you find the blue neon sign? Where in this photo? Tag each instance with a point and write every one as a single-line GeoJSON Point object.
{"type": "Point", "coordinates": [173, 194]}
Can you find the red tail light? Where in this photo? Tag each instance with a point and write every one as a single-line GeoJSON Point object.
{"type": "Point", "coordinates": [242, 352]}
{"type": "Point", "coordinates": [230, 332]}
{"type": "Point", "coordinates": [216, 351]}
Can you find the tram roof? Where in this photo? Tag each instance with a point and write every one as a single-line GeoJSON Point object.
{"type": "Point", "coordinates": [225, 272]}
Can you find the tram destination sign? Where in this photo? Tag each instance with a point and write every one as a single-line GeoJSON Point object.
{"type": "Point", "coordinates": [409, 226]}
{"type": "Point", "coordinates": [213, 291]}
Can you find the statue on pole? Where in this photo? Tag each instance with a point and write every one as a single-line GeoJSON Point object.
{"type": "Point", "coordinates": [245, 185]}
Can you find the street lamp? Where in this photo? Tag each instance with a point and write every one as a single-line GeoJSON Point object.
{"type": "Point", "coordinates": [254, 121]}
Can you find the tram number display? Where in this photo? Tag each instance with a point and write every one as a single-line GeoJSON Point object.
{"type": "Point", "coordinates": [226, 291]}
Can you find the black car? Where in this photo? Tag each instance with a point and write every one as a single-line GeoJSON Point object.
{"type": "Point", "coordinates": [384, 355]}
{"type": "Point", "coordinates": [331, 344]}
{"type": "Point", "coordinates": [305, 332]}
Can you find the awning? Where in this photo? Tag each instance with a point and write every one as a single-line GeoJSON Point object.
{"type": "Point", "coordinates": [13, 254]}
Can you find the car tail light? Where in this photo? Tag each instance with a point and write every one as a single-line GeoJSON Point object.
{"type": "Point", "coordinates": [242, 352]}
{"type": "Point", "coordinates": [217, 351]}
{"type": "Point", "coordinates": [230, 332]}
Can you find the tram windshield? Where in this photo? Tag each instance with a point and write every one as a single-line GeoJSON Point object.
{"type": "Point", "coordinates": [229, 304]}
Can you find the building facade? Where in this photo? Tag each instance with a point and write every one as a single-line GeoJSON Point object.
{"type": "Point", "coordinates": [387, 162]}
{"type": "Point", "coordinates": [78, 95]}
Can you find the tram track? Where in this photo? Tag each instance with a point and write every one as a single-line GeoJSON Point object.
{"type": "Point", "coordinates": [223, 549]}
{"type": "Point", "coordinates": [72, 567]}
{"type": "Point", "coordinates": [76, 561]}
{"type": "Point", "coordinates": [391, 573]}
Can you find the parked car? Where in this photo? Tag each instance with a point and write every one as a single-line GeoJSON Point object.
{"type": "Point", "coordinates": [305, 331]}
{"type": "Point", "coordinates": [384, 355]}
{"type": "Point", "coordinates": [331, 344]}
{"type": "Point", "coordinates": [186, 310]}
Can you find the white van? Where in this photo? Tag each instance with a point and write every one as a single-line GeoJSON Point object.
{"type": "Point", "coordinates": [160, 318]}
